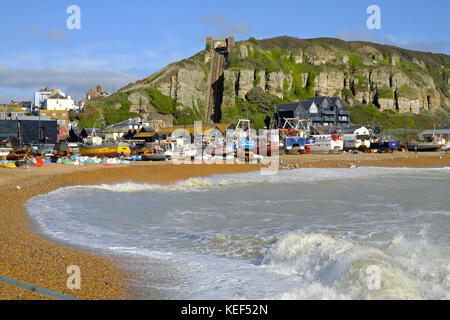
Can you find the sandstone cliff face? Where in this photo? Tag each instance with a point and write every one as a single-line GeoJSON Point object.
{"type": "Point", "coordinates": [357, 73]}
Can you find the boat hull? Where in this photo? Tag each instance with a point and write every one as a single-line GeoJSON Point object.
{"type": "Point", "coordinates": [423, 147]}
{"type": "Point", "coordinates": [153, 158]}
{"type": "Point", "coordinates": [327, 146]}
{"type": "Point", "coordinates": [4, 152]}
{"type": "Point", "coordinates": [105, 151]}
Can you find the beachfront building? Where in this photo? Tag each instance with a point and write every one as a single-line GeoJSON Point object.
{"type": "Point", "coordinates": [60, 116]}
{"type": "Point", "coordinates": [322, 111]}
{"type": "Point", "coordinates": [114, 134]}
{"type": "Point", "coordinates": [131, 124]}
{"type": "Point", "coordinates": [120, 130]}
{"type": "Point", "coordinates": [435, 135]}
{"type": "Point", "coordinates": [42, 95]}
{"type": "Point", "coordinates": [11, 110]}
{"type": "Point", "coordinates": [357, 130]}
{"type": "Point", "coordinates": [29, 130]}
{"type": "Point", "coordinates": [27, 106]}
{"type": "Point", "coordinates": [92, 132]}
{"type": "Point", "coordinates": [59, 102]}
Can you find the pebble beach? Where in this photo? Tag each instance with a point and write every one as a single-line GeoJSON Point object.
{"type": "Point", "coordinates": [27, 257]}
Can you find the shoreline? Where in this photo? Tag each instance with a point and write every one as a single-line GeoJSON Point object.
{"type": "Point", "coordinates": [32, 258]}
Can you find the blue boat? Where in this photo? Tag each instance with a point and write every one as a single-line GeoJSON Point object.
{"type": "Point", "coordinates": [294, 145]}
{"type": "Point", "coordinates": [385, 144]}
{"type": "Point", "coordinates": [394, 144]}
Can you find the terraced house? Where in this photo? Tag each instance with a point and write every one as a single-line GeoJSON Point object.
{"type": "Point", "coordinates": [322, 111]}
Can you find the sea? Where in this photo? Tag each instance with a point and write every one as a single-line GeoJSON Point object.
{"type": "Point", "coordinates": [307, 234]}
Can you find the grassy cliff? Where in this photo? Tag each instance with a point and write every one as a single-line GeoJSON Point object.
{"type": "Point", "coordinates": [380, 84]}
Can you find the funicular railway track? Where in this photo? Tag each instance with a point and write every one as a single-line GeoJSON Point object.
{"type": "Point", "coordinates": [217, 71]}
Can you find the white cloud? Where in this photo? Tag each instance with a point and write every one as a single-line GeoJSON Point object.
{"type": "Point", "coordinates": [75, 81]}
{"type": "Point", "coordinates": [215, 19]}
{"type": "Point", "coordinates": [5, 98]}
{"type": "Point", "coordinates": [239, 28]}
{"type": "Point", "coordinates": [55, 35]}
{"type": "Point", "coordinates": [225, 27]}
{"type": "Point", "coordinates": [442, 46]}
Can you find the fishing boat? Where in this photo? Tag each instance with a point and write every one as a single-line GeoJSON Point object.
{"type": "Point", "coordinates": [93, 146]}
{"type": "Point", "coordinates": [385, 144]}
{"type": "Point", "coordinates": [112, 150]}
{"type": "Point", "coordinates": [354, 142]}
{"type": "Point", "coordinates": [423, 146]}
{"type": "Point", "coordinates": [4, 152]}
{"type": "Point", "coordinates": [17, 154]}
{"type": "Point", "coordinates": [179, 150]}
{"type": "Point", "coordinates": [326, 144]}
{"type": "Point", "coordinates": [446, 147]}
{"type": "Point", "coordinates": [153, 157]}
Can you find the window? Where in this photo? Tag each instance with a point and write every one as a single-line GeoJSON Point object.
{"type": "Point", "coordinates": [313, 109]}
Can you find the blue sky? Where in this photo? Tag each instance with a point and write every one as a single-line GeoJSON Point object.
{"type": "Point", "coordinates": [120, 41]}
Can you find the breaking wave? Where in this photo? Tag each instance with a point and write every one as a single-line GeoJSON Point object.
{"type": "Point", "coordinates": [288, 236]}
{"type": "Point", "coordinates": [287, 176]}
{"type": "Point", "coordinates": [332, 267]}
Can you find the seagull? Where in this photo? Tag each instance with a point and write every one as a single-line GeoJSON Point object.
{"type": "Point", "coordinates": [19, 188]}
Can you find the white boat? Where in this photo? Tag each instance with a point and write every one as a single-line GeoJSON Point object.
{"type": "Point", "coordinates": [446, 147]}
{"type": "Point", "coordinates": [179, 150]}
{"type": "Point", "coordinates": [4, 152]}
{"type": "Point", "coordinates": [354, 142]}
{"type": "Point", "coordinates": [326, 144]}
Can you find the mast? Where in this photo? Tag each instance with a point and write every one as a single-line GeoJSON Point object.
{"type": "Point", "coordinates": [19, 127]}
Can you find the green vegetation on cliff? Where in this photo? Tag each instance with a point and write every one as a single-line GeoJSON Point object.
{"type": "Point", "coordinates": [389, 119]}
{"type": "Point", "coordinates": [406, 91]}
{"type": "Point", "coordinates": [101, 112]}
{"type": "Point", "coordinates": [295, 69]}
{"type": "Point", "coordinates": [162, 103]}
{"type": "Point", "coordinates": [385, 93]}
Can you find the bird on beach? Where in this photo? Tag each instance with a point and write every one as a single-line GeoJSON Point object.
{"type": "Point", "coordinates": [19, 188]}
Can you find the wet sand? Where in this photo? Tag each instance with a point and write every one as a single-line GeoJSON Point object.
{"type": "Point", "coordinates": [27, 257]}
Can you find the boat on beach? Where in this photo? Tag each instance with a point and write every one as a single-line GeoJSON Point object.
{"type": "Point", "coordinates": [326, 144]}
{"type": "Point", "coordinates": [355, 142]}
{"type": "Point", "coordinates": [4, 152]}
{"type": "Point", "coordinates": [446, 147]}
{"type": "Point", "coordinates": [384, 144]}
{"type": "Point", "coordinates": [424, 146]}
{"type": "Point", "coordinates": [113, 150]}
{"type": "Point", "coordinates": [94, 146]}
{"type": "Point", "coordinates": [154, 157]}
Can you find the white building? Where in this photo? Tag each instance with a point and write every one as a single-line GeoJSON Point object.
{"type": "Point", "coordinates": [59, 102]}
{"type": "Point", "coordinates": [42, 95]}
{"type": "Point", "coordinates": [131, 124]}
